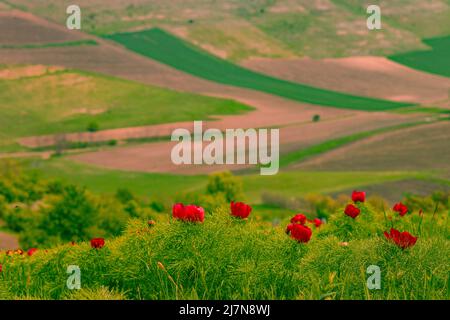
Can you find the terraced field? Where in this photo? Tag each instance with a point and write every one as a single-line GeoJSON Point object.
{"type": "Point", "coordinates": [166, 48]}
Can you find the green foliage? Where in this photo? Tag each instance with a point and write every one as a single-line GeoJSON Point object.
{"type": "Point", "coordinates": [428, 204]}
{"type": "Point", "coordinates": [44, 212]}
{"type": "Point", "coordinates": [93, 126]}
{"type": "Point", "coordinates": [70, 218]}
{"type": "Point", "coordinates": [166, 48]}
{"type": "Point", "coordinates": [227, 258]}
{"type": "Point", "coordinates": [124, 195]}
{"type": "Point", "coordinates": [227, 184]}
{"type": "Point", "coordinates": [101, 293]}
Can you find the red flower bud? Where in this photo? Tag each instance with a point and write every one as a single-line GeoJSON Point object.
{"type": "Point", "coordinates": [299, 218]}
{"type": "Point", "coordinates": [189, 213]}
{"type": "Point", "coordinates": [97, 243]}
{"type": "Point", "coordinates": [402, 239]}
{"type": "Point", "coordinates": [358, 196]}
{"type": "Point", "coordinates": [240, 209]}
{"type": "Point", "coordinates": [352, 211]}
{"type": "Point", "coordinates": [31, 251]}
{"type": "Point", "coordinates": [300, 232]}
{"type": "Point", "coordinates": [400, 208]}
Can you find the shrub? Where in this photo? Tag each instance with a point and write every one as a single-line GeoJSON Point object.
{"type": "Point", "coordinates": [227, 184]}
{"type": "Point", "coordinates": [93, 127]}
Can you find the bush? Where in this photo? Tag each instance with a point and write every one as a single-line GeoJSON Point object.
{"type": "Point", "coordinates": [227, 184]}
{"type": "Point", "coordinates": [93, 127]}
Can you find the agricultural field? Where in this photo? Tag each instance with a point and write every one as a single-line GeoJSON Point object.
{"type": "Point", "coordinates": [238, 30]}
{"type": "Point", "coordinates": [56, 101]}
{"type": "Point", "coordinates": [87, 176]}
{"type": "Point", "coordinates": [434, 60]}
{"type": "Point", "coordinates": [161, 46]}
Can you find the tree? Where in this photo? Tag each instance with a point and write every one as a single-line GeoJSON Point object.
{"type": "Point", "coordinates": [93, 126]}
{"type": "Point", "coordinates": [71, 217]}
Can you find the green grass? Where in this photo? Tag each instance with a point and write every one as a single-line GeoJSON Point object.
{"type": "Point", "coordinates": [226, 258]}
{"type": "Point", "coordinates": [435, 61]}
{"type": "Point", "coordinates": [300, 183]}
{"type": "Point", "coordinates": [292, 183]}
{"type": "Point", "coordinates": [87, 42]}
{"type": "Point", "coordinates": [420, 109]}
{"type": "Point", "coordinates": [67, 101]}
{"type": "Point", "coordinates": [166, 48]}
{"type": "Point", "coordinates": [298, 156]}
{"type": "Point", "coordinates": [108, 181]}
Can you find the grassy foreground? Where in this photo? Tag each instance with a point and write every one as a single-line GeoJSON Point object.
{"type": "Point", "coordinates": [229, 258]}
{"type": "Point", "coordinates": [166, 48]}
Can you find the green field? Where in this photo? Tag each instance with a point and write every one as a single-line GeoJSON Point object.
{"type": "Point", "coordinates": [166, 48]}
{"type": "Point", "coordinates": [67, 101]}
{"type": "Point", "coordinates": [436, 60]}
{"type": "Point", "coordinates": [291, 183]}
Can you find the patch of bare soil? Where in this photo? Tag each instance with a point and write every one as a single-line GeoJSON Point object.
{"type": "Point", "coordinates": [19, 72]}
{"type": "Point", "coordinates": [366, 76]}
{"type": "Point", "coordinates": [19, 28]}
{"type": "Point", "coordinates": [155, 157]}
{"type": "Point", "coordinates": [8, 242]}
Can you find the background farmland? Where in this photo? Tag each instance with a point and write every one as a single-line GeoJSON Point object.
{"type": "Point", "coordinates": [86, 116]}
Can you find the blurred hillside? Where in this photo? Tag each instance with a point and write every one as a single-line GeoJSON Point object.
{"type": "Point", "coordinates": [238, 30]}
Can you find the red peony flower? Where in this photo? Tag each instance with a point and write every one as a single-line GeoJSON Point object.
{"type": "Point", "coordinates": [190, 213]}
{"type": "Point", "coordinates": [299, 218]}
{"type": "Point", "coordinates": [358, 196]}
{"type": "Point", "coordinates": [240, 209]}
{"type": "Point", "coordinates": [352, 211]}
{"type": "Point", "coordinates": [317, 222]}
{"type": "Point", "coordinates": [400, 208]}
{"type": "Point", "coordinates": [289, 228]}
{"type": "Point", "coordinates": [31, 251]}
{"type": "Point", "coordinates": [97, 243]}
{"type": "Point", "coordinates": [300, 232]}
{"type": "Point", "coordinates": [402, 239]}
{"type": "Point", "coordinates": [1, 268]}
